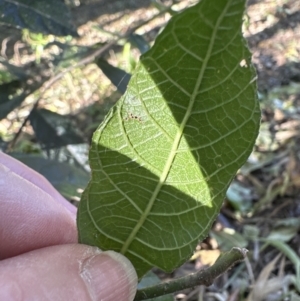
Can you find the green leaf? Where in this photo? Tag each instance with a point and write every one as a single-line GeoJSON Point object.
{"type": "Point", "coordinates": [229, 239]}
{"type": "Point", "coordinates": [165, 155]}
{"type": "Point", "coordinates": [151, 279]}
{"type": "Point", "coordinates": [239, 197]}
{"type": "Point", "coordinates": [48, 17]}
{"type": "Point", "coordinates": [139, 42]}
{"type": "Point", "coordinates": [290, 254]}
{"type": "Point", "coordinates": [284, 229]}
{"type": "Point", "coordinates": [117, 76]}
{"type": "Point", "coordinates": [53, 130]}
{"type": "Point", "coordinates": [13, 94]}
{"type": "Point", "coordinates": [14, 71]}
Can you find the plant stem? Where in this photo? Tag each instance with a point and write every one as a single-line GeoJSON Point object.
{"type": "Point", "coordinates": [204, 277]}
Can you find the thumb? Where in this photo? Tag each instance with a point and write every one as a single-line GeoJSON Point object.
{"type": "Point", "coordinates": [67, 272]}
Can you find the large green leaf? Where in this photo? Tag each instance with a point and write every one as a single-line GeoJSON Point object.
{"type": "Point", "coordinates": [166, 153]}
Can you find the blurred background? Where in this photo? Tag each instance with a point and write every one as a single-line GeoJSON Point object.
{"type": "Point", "coordinates": [61, 72]}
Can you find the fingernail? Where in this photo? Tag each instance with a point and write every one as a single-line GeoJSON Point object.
{"type": "Point", "coordinates": [109, 276]}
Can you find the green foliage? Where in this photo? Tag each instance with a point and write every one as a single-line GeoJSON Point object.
{"type": "Point", "coordinates": [164, 156]}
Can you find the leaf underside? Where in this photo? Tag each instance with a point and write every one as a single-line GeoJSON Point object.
{"type": "Point", "coordinates": [164, 156]}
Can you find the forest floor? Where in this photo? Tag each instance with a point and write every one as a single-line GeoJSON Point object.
{"type": "Point", "coordinates": [264, 200]}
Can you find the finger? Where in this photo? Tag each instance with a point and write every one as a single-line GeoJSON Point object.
{"type": "Point", "coordinates": [30, 218]}
{"type": "Point", "coordinates": [68, 272]}
{"type": "Point", "coordinates": [37, 179]}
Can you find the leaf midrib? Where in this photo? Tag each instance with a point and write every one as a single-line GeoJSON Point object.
{"type": "Point", "coordinates": [177, 139]}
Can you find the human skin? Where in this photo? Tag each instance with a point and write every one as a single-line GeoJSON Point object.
{"type": "Point", "coordinates": [39, 253]}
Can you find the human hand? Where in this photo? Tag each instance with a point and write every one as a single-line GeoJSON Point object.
{"type": "Point", "coordinates": [40, 259]}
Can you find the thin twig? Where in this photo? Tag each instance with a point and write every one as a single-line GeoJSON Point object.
{"type": "Point", "coordinates": [204, 277]}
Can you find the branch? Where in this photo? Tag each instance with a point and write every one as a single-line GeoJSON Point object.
{"type": "Point", "coordinates": [204, 277]}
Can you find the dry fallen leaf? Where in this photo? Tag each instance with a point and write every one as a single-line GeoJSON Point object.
{"type": "Point", "coordinates": [263, 285]}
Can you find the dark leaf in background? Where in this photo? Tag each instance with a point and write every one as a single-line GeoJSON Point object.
{"type": "Point", "coordinates": [117, 76]}
{"type": "Point", "coordinates": [11, 98]}
{"type": "Point", "coordinates": [3, 144]}
{"type": "Point", "coordinates": [66, 178]}
{"type": "Point", "coordinates": [16, 72]}
{"type": "Point", "coordinates": [151, 279]}
{"type": "Point", "coordinates": [47, 17]}
{"type": "Point", "coordinates": [7, 105]}
{"type": "Point", "coordinates": [8, 89]}
{"type": "Point", "coordinates": [53, 130]}
{"type": "Point", "coordinates": [227, 240]}
{"type": "Point", "coordinates": [139, 42]}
